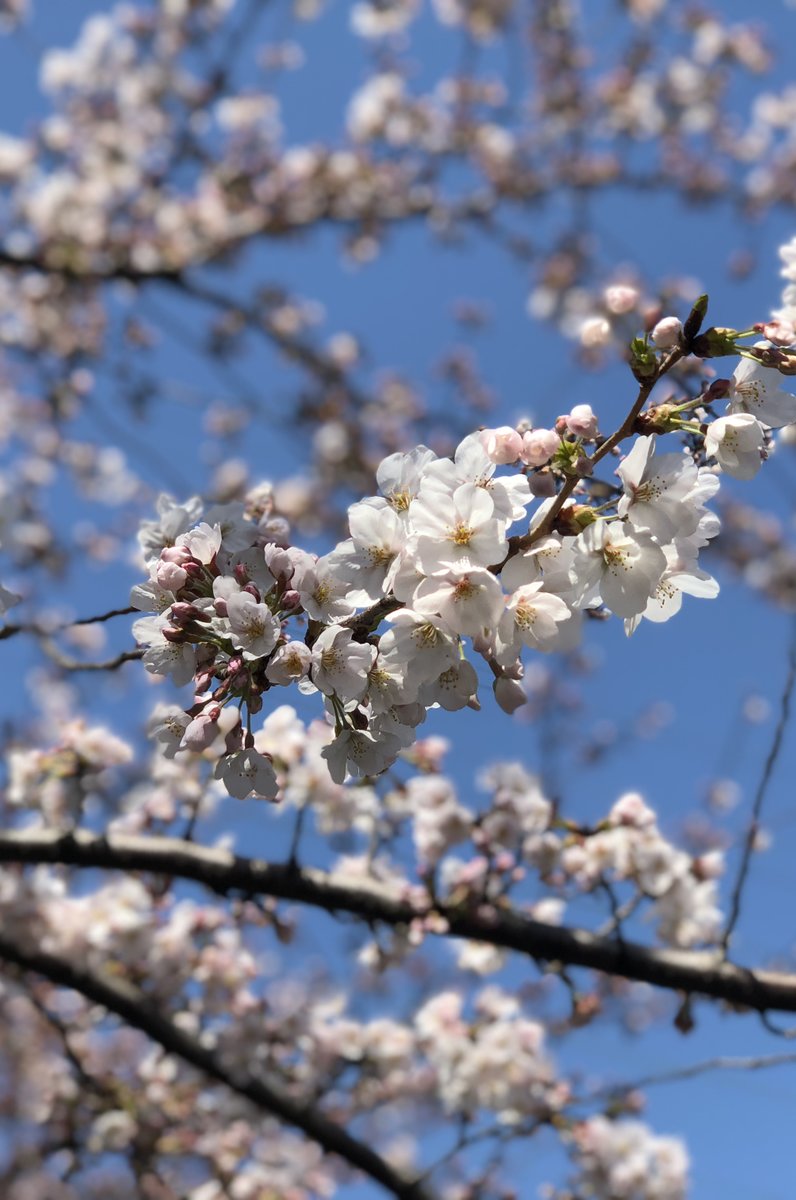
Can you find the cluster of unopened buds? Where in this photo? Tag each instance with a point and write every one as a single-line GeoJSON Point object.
{"type": "Point", "coordinates": [241, 611]}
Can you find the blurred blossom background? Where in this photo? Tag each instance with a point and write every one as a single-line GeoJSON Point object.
{"type": "Point", "coordinates": [361, 227]}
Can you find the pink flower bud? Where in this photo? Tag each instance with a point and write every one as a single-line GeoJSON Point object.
{"type": "Point", "coordinates": [253, 590]}
{"type": "Point", "coordinates": [202, 731]}
{"type": "Point", "coordinates": [502, 445]}
{"type": "Point", "coordinates": [718, 389]}
{"type": "Point", "coordinates": [781, 333]}
{"type": "Point", "coordinates": [509, 694]}
{"type": "Point", "coordinates": [176, 554]}
{"type": "Point", "coordinates": [595, 331]}
{"type": "Point", "coordinates": [278, 561]}
{"type": "Point", "coordinates": [542, 485]}
{"type": "Point", "coordinates": [539, 446]}
{"type": "Point", "coordinates": [182, 614]}
{"type": "Point", "coordinates": [176, 636]}
{"type": "Point", "coordinates": [666, 333]}
{"type": "Point", "coordinates": [620, 298]}
{"type": "Point", "coordinates": [170, 576]}
{"type": "Point", "coordinates": [203, 679]}
{"type": "Point", "coordinates": [582, 421]}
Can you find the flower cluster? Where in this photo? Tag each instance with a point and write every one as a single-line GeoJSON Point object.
{"type": "Point", "coordinates": [240, 611]}
{"type": "Point", "coordinates": [626, 1159]}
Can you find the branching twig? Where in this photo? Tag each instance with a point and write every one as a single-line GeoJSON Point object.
{"type": "Point", "coordinates": [722, 1062]}
{"type": "Point", "coordinates": [625, 429]}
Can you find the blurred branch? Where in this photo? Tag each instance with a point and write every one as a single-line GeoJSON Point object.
{"type": "Point", "coordinates": [722, 1062]}
{"type": "Point", "coordinates": [126, 1002]}
{"type": "Point", "coordinates": [760, 795]}
{"type": "Point", "coordinates": [8, 631]}
{"type": "Point", "coordinates": [45, 638]}
{"type": "Point", "coordinates": [697, 972]}
{"type": "Point", "coordinates": [66, 663]}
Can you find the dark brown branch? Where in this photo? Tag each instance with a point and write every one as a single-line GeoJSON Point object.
{"type": "Point", "coordinates": [8, 631]}
{"type": "Point", "coordinates": [126, 1002]}
{"type": "Point", "coordinates": [106, 616]}
{"type": "Point", "coordinates": [66, 663]}
{"type": "Point", "coordinates": [697, 972]}
{"type": "Point", "coordinates": [114, 271]}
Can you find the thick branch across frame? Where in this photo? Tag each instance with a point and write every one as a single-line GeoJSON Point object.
{"type": "Point", "coordinates": [695, 972]}
{"type": "Point", "coordinates": [126, 1002]}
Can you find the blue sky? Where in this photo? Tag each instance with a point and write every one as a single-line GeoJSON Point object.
{"type": "Point", "coordinates": [703, 664]}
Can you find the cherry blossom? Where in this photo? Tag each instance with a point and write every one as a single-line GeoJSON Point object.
{"type": "Point", "coordinates": [456, 531]}
{"type": "Point", "coordinates": [370, 982]}
{"type": "Point", "coordinates": [246, 772]}
{"type": "Point", "coordinates": [736, 442]}
{"type": "Point", "coordinates": [756, 390]}
{"type": "Point", "coordinates": [620, 568]}
{"type": "Point", "coordinates": [661, 494]}
{"type": "Point", "coordinates": [339, 666]}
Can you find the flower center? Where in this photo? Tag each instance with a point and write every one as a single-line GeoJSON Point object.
{"type": "Point", "coordinates": [462, 534]}
{"type": "Point", "coordinates": [426, 635]}
{"type": "Point", "coordinates": [330, 659]}
{"type": "Point", "coordinates": [616, 558]}
{"type": "Point", "coordinates": [399, 500]}
{"type": "Point", "coordinates": [525, 615]}
{"type": "Point", "coordinates": [463, 589]}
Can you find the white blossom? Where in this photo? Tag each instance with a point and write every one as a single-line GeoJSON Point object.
{"type": "Point", "coordinates": [340, 665]}
{"type": "Point", "coordinates": [246, 772]}
{"type": "Point", "coordinates": [757, 390]}
{"type": "Point", "coordinates": [736, 442]}
{"type": "Point", "coordinates": [456, 531]}
{"type": "Point", "coordinates": [659, 495]}
{"type": "Point", "coordinates": [256, 630]}
{"type": "Point", "coordinates": [623, 569]}
{"type": "Point", "coordinates": [357, 752]}
{"type": "Point", "coordinates": [532, 617]}
{"type": "Point", "coordinates": [468, 603]}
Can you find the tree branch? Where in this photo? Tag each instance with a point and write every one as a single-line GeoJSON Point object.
{"type": "Point", "coordinates": [760, 795]}
{"type": "Point", "coordinates": [698, 972]}
{"type": "Point", "coordinates": [126, 1002]}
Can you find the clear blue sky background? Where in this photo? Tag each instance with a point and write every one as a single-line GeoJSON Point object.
{"type": "Point", "coordinates": [704, 664]}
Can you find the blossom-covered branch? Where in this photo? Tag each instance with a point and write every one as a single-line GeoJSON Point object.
{"type": "Point", "coordinates": [240, 607]}
{"type": "Point", "coordinates": [137, 1011]}
{"type": "Point", "coordinates": [690, 971]}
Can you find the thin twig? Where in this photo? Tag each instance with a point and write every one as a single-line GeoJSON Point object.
{"type": "Point", "coordinates": [722, 1062]}
{"type": "Point", "coordinates": [760, 795]}
{"type": "Point", "coordinates": [66, 663]}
